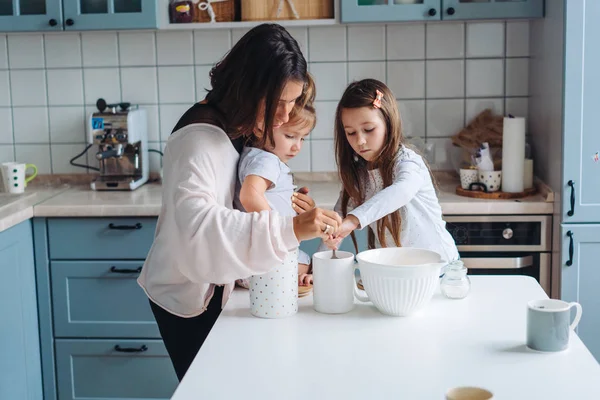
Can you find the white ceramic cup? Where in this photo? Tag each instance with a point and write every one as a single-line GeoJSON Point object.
{"type": "Point", "coordinates": [468, 176]}
{"type": "Point", "coordinates": [549, 324]}
{"type": "Point", "coordinates": [13, 176]}
{"type": "Point", "coordinates": [491, 179]}
{"type": "Point", "coordinates": [469, 393]}
{"type": "Point", "coordinates": [275, 294]}
{"type": "Point", "coordinates": [333, 282]}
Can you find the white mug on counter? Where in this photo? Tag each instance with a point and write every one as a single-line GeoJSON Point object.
{"type": "Point", "coordinates": [333, 282]}
{"type": "Point", "coordinates": [14, 179]}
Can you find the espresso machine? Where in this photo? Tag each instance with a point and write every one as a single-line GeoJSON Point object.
{"type": "Point", "coordinates": [120, 136]}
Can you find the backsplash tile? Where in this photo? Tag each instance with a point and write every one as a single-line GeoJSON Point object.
{"type": "Point", "coordinates": [443, 74]}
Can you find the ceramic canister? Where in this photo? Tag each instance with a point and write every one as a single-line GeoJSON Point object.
{"type": "Point", "coordinates": [275, 294]}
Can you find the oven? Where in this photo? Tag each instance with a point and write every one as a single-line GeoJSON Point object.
{"type": "Point", "coordinates": [504, 245]}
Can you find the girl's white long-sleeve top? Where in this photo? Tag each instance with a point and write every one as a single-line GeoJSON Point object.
{"type": "Point", "coordinates": [200, 240]}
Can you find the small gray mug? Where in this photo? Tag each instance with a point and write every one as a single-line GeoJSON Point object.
{"type": "Point", "coordinates": [549, 324]}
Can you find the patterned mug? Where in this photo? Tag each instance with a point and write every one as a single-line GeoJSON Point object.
{"type": "Point", "coordinates": [13, 176]}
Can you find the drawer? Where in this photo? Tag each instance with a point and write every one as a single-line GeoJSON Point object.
{"type": "Point", "coordinates": [96, 369]}
{"type": "Point", "coordinates": [100, 299]}
{"type": "Point", "coordinates": [100, 238]}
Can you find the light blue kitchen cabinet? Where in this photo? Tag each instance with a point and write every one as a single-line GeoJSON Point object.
{"type": "Point", "coordinates": [20, 365]}
{"type": "Point", "coordinates": [30, 15]}
{"type": "Point", "coordinates": [431, 10]}
{"type": "Point", "coordinates": [110, 14]}
{"type": "Point", "coordinates": [580, 278]}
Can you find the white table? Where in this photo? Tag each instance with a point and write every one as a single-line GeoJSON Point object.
{"type": "Point", "coordinates": [366, 355]}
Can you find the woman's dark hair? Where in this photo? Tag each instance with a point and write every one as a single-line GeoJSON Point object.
{"type": "Point", "coordinates": [254, 72]}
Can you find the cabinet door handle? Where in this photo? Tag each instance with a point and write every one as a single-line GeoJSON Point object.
{"type": "Point", "coordinates": [140, 349]}
{"type": "Point", "coordinates": [572, 210]}
{"type": "Point", "coordinates": [125, 227]}
{"type": "Point", "coordinates": [570, 260]}
{"type": "Point", "coordinates": [125, 270]}
{"type": "Point", "coordinates": [450, 11]}
{"type": "Point", "coordinates": [432, 12]}
{"type": "Point", "coordinates": [70, 22]}
{"type": "Point", "coordinates": [53, 22]}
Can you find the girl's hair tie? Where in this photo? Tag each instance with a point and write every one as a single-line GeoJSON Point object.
{"type": "Point", "coordinates": [378, 98]}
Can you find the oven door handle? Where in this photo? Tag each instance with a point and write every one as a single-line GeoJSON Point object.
{"type": "Point", "coordinates": [497, 262]}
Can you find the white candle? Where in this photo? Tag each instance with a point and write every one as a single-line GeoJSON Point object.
{"type": "Point", "coordinates": [513, 154]}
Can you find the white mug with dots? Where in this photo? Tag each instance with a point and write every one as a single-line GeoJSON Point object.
{"type": "Point", "coordinates": [13, 176]}
{"type": "Point", "coordinates": [275, 294]}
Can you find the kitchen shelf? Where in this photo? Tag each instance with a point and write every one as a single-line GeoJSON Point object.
{"type": "Point", "coordinates": [248, 24]}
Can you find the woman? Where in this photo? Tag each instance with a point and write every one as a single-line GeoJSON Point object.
{"type": "Point", "coordinates": [202, 245]}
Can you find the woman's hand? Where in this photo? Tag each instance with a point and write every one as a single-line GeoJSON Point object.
{"type": "Point", "coordinates": [316, 223]}
{"type": "Point", "coordinates": [349, 224]}
{"type": "Point", "coordinates": [301, 201]}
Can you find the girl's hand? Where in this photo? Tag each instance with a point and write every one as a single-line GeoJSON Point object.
{"type": "Point", "coordinates": [349, 224]}
{"type": "Point", "coordinates": [305, 279]}
{"type": "Point", "coordinates": [301, 201]}
{"type": "Point", "coordinates": [316, 223]}
{"type": "Point", "coordinates": [332, 243]}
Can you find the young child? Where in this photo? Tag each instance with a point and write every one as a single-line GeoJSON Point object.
{"type": "Point", "coordinates": [265, 181]}
{"type": "Point", "coordinates": [386, 186]}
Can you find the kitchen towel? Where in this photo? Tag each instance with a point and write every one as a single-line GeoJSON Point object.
{"type": "Point", "coordinates": [513, 154]}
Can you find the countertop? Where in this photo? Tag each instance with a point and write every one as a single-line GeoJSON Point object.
{"type": "Point", "coordinates": [477, 341]}
{"type": "Point", "coordinates": [79, 201]}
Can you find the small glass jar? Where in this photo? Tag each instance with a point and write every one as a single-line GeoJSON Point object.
{"type": "Point", "coordinates": [455, 283]}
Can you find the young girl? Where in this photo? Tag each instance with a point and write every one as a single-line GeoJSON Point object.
{"type": "Point", "coordinates": [265, 181]}
{"type": "Point", "coordinates": [386, 186]}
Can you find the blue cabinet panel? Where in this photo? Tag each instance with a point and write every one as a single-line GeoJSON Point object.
{"type": "Point", "coordinates": [20, 365]}
{"type": "Point", "coordinates": [24, 15]}
{"type": "Point", "coordinates": [580, 278]}
{"type": "Point", "coordinates": [114, 14]}
{"type": "Point", "coordinates": [97, 370]}
{"type": "Point", "coordinates": [492, 9]}
{"type": "Point", "coordinates": [100, 299]}
{"type": "Point", "coordinates": [388, 11]}
{"type": "Point", "coordinates": [100, 238]}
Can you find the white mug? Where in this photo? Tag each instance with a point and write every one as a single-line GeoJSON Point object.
{"type": "Point", "coordinates": [275, 294]}
{"type": "Point", "coordinates": [333, 282]}
{"type": "Point", "coordinates": [13, 176]}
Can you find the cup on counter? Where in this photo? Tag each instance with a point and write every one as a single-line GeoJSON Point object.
{"type": "Point", "coordinates": [491, 179]}
{"type": "Point", "coordinates": [549, 324]}
{"type": "Point", "coordinates": [14, 179]}
{"type": "Point", "coordinates": [333, 282]}
{"type": "Point", "coordinates": [469, 393]}
{"type": "Point", "coordinates": [468, 176]}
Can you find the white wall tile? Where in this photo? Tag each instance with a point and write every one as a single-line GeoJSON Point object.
{"type": "Point", "coordinates": [330, 80]}
{"type": "Point", "coordinates": [63, 50]}
{"type": "Point", "coordinates": [31, 125]}
{"type": "Point", "coordinates": [7, 153]}
{"type": "Point", "coordinates": [153, 123]}
{"type": "Point", "coordinates": [38, 154]}
{"type": "Point", "coordinates": [485, 78]}
{"type": "Point", "coordinates": [101, 83]}
{"type": "Point", "coordinates": [26, 51]}
{"type": "Point", "coordinates": [137, 49]}
{"type": "Point", "coordinates": [363, 70]}
{"type": "Point", "coordinates": [176, 85]}
{"type": "Point", "coordinates": [327, 43]}
{"type": "Point", "coordinates": [100, 49]}
{"type": "Point", "coordinates": [442, 148]}
{"type": "Point", "coordinates": [301, 163]}
{"type": "Point", "coordinates": [65, 87]}
{"type": "Point", "coordinates": [517, 77]}
{"type": "Point", "coordinates": [517, 106]}
{"type": "Point", "coordinates": [475, 106]}
{"type": "Point", "coordinates": [325, 120]}
{"type": "Point", "coordinates": [210, 45]}
{"type": "Point", "coordinates": [517, 38]}
{"type": "Point", "coordinates": [485, 39]}
{"type": "Point", "coordinates": [444, 117]}
{"type": "Point", "coordinates": [202, 81]}
{"type": "Point", "coordinates": [67, 124]}
{"type": "Point", "coordinates": [139, 85]}
{"type": "Point", "coordinates": [301, 36]}
{"type": "Point", "coordinates": [3, 52]}
{"type": "Point", "coordinates": [175, 48]}
{"type": "Point", "coordinates": [406, 42]}
{"type": "Point", "coordinates": [61, 156]}
{"type": "Point", "coordinates": [445, 78]}
{"type": "Point", "coordinates": [6, 126]}
{"type": "Point", "coordinates": [169, 115]}
{"type": "Point", "coordinates": [4, 89]}
{"type": "Point", "coordinates": [445, 40]}
{"type": "Point", "coordinates": [323, 156]}
{"type": "Point", "coordinates": [406, 79]}
{"type": "Point", "coordinates": [28, 87]}
{"type": "Point", "coordinates": [366, 42]}
{"type": "Point", "coordinates": [412, 115]}
{"type": "Point", "coordinates": [236, 34]}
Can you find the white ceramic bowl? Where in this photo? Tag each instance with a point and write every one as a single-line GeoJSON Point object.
{"type": "Point", "coordinates": [399, 280]}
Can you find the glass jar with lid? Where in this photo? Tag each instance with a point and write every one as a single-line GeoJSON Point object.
{"type": "Point", "coordinates": [455, 283]}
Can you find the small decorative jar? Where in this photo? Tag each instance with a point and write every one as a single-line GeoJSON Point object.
{"type": "Point", "coordinates": [455, 283]}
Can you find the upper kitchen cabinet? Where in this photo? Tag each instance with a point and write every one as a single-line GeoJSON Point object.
{"type": "Point", "coordinates": [424, 10]}
{"type": "Point", "coordinates": [30, 15]}
{"type": "Point", "coordinates": [110, 14]}
{"type": "Point", "coordinates": [581, 142]}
